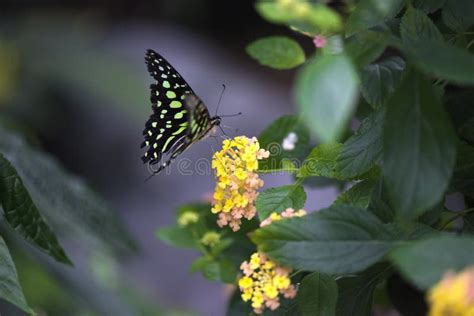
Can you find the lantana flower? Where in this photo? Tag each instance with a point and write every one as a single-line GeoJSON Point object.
{"type": "Point", "coordinates": [235, 193]}
{"type": "Point", "coordinates": [453, 295]}
{"type": "Point", "coordinates": [288, 213]}
{"type": "Point", "coordinates": [264, 282]}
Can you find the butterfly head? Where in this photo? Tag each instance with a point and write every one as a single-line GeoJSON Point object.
{"type": "Point", "coordinates": [216, 121]}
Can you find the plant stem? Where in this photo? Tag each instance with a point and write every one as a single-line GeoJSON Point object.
{"type": "Point", "coordinates": [295, 273]}
{"type": "Point", "coordinates": [456, 216]}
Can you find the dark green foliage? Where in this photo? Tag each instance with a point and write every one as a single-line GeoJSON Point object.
{"type": "Point", "coordinates": [23, 216]}
{"type": "Point", "coordinates": [272, 139]}
{"type": "Point", "coordinates": [418, 139]}
{"type": "Point", "coordinates": [279, 199]}
{"type": "Point", "coordinates": [389, 103]}
{"type": "Point", "coordinates": [317, 295]}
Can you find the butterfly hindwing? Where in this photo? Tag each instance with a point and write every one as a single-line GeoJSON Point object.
{"type": "Point", "coordinates": [199, 118]}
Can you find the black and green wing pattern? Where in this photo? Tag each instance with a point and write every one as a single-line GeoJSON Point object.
{"type": "Point", "coordinates": [179, 117]}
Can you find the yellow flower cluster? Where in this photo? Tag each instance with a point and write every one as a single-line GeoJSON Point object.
{"type": "Point", "coordinates": [453, 295]}
{"type": "Point", "coordinates": [235, 166]}
{"type": "Point", "coordinates": [288, 213]}
{"type": "Point", "coordinates": [263, 281]}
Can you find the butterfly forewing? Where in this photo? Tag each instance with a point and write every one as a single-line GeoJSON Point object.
{"type": "Point", "coordinates": [179, 117]}
{"type": "Point", "coordinates": [170, 118]}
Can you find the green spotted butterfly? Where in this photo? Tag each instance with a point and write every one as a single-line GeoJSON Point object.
{"type": "Point", "coordinates": [179, 117]}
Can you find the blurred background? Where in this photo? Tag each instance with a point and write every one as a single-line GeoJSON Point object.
{"type": "Point", "coordinates": [73, 80]}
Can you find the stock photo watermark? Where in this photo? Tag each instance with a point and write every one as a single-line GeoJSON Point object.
{"type": "Point", "coordinates": [278, 162]}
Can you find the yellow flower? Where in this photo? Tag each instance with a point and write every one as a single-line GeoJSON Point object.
{"type": "Point", "coordinates": [219, 194]}
{"type": "Point", "coordinates": [268, 265]}
{"type": "Point", "coordinates": [237, 183]}
{"type": "Point", "coordinates": [216, 208]}
{"type": "Point", "coordinates": [281, 281]}
{"type": "Point", "coordinates": [187, 218]}
{"type": "Point", "coordinates": [228, 205]}
{"type": "Point", "coordinates": [270, 291]}
{"type": "Point", "coordinates": [263, 282]}
{"type": "Point", "coordinates": [245, 282]}
{"type": "Point", "coordinates": [453, 295]}
{"type": "Point", "coordinates": [275, 216]}
{"type": "Point", "coordinates": [255, 260]}
{"type": "Point", "coordinates": [240, 174]}
{"type": "Point", "coordinates": [246, 294]}
{"type": "Point", "coordinates": [257, 300]}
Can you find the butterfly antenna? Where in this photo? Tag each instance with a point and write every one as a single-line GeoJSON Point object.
{"type": "Point", "coordinates": [231, 115]}
{"type": "Point", "coordinates": [220, 99]}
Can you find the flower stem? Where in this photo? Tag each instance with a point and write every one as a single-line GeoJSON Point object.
{"type": "Point", "coordinates": [456, 216]}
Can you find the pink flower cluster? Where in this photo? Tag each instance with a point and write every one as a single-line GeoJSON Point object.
{"type": "Point", "coordinates": [288, 213]}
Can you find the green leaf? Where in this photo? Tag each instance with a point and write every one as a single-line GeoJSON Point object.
{"type": "Point", "coordinates": [325, 108]}
{"type": "Point", "coordinates": [458, 15]}
{"type": "Point", "coordinates": [273, 12]}
{"type": "Point", "coordinates": [215, 270]}
{"type": "Point", "coordinates": [418, 140]}
{"type": "Point", "coordinates": [358, 195]}
{"type": "Point", "coordinates": [379, 80]}
{"type": "Point", "coordinates": [440, 63]}
{"type": "Point", "coordinates": [382, 210]}
{"type": "Point", "coordinates": [339, 239]}
{"type": "Point", "coordinates": [72, 209]}
{"type": "Point", "coordinates": [317, 295]}
{"type": "Point", "coordinates": [463, 175]}
{"type": "Point", "coordinates": [237, 307]}
{"type": "Point", "coordinates": [417, 25]}
{"type": "Point", "coordinates": [176, 236]}
{"type": "Point", "coordinates": [10, 289]}
{"type": "Point", "coordinates": [22, 214]}
{"type": "Point", "coordinates": [356, 292]}
{"type": "Point", "coordinates": [279, 52]}
{"type": "Point", "coordinates": [369, 13]}
{"type": "Point", "coordinates": [311, 19]}
{"type": "Point", "coordinates": [287, 139]}
{"type": "Point", "coordinates": [321, 161]}
{"type": "Point", "coordinates": [362, 150]}
{"type": "Point", "coordinates": [428, 6]}
{"type": "Point", "coordinates": [320, 19]}
{"type": "Point", "coordinates": [421, 263]}
{"type": "Point", "coordinates": [365, 47]}
{"type": "Point", "coordinates": [279, 199]}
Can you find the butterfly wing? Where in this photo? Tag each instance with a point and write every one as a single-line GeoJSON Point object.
{"type": "Point", "coordinates": [199, 125]}
{"type": "Point", "coordinates": [199, 120]}
{"type": "Point", "coordinates": [169, 122]}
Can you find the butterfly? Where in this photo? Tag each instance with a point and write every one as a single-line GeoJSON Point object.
{"type": "Point", "coordinates": [179, 119]}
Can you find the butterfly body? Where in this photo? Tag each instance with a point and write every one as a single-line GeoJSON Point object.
{"type": "Point", "coordinates": [179, 119]}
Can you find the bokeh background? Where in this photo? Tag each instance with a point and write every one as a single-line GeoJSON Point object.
{"type": "Point", "coordinates": [72, 78]}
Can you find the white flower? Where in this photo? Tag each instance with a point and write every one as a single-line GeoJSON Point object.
{"type": "Point", "coordinates": [290, 141]}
